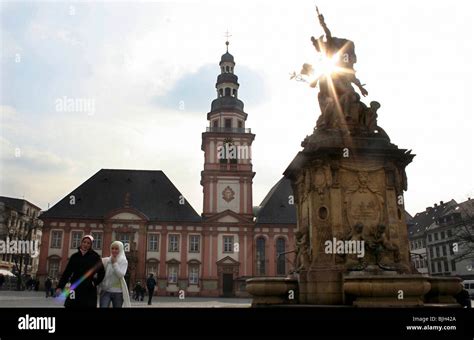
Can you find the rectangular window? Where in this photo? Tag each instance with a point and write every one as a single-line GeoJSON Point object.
{"type": "Point", "coordinates": [53, 270]}
{"type": "Point", "coordinates": [97, 244]}
{"type": "Point", "coordinates": [443, 235]}
{"type": "Point", "coordinates": [445, 253]}
{"type": "Point", "coordinates": [446, 268]}
{"type": "Point", "coordinates": [194, 241]}
{"type": "Point", "coordinates": [56, 238]}
{"type": "Point", "coordinates": [451, 251]}
{"type": "Point", "coordinates": [173, 243]}
{"type": "Point", "coordinates": [450, 234]}
{"type": "Point", "coordinates": [152, 268]}
{"type": "Point", "coordinates": [431, 252]}
{"type": "Point", "coordinates": [193, 275]}
{"type": "Point", "coordinates": [240, 124]}
{"type": "Point", "coordinates": [76, 237]}
{"type": "Point", "coordinates": [153, 242]}
{"type": "Point", "coordinates": [453, 265]}
{"type": "Point", "coordinates": [228, 244]}
{"type": "Point", "coordinates": [124, 238]}
{"type": "Point", "coordinates": [173, 273]}
{"type": "Point", "coordinates": [433, 267]}
{"type": "Point", "coordinates": [228, 123]}
{"type": "Point", "coordinates": [429, 238]}
{"type": "Point", "coordinates": [436, 236]}
{"type": "Point", "coordinates": [439, 267]}
{"type": "Point", "coordinates": [215, 123]}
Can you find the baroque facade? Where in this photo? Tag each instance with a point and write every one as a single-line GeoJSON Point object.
{"type": "Point", "coordinates": [211, 254]}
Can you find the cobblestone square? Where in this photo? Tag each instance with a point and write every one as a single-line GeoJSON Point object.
{"type": "Point", "coordinates": [37, 299]}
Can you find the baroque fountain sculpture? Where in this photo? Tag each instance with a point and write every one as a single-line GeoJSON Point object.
{"type": "Point", "coordinates": [348, 184]}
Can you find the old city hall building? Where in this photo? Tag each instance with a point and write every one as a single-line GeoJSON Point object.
{"type": "Point", "coordinates": [211, 254]}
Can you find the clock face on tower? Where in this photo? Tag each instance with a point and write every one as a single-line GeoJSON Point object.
{"type": "Point", "coordinates": [228, 194]}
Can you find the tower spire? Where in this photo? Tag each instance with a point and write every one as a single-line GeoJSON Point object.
{"type": "Point", "coordinates": [227, 35]}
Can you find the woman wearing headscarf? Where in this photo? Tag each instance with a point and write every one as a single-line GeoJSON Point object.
{"type": "Point", "coordinates": [114, 288]}
{"type": "Point", "coordinates": [85, 272]}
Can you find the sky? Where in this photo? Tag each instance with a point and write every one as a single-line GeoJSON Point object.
{"type": "Point", "coordinates": [147, 70]}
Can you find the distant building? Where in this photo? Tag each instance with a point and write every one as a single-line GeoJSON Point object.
{"type": "Point", "coordinates": [445, 244]}
{"type": "Point", "coordinates": [19, 222]}
{"type": "Point", "coordinates": [417, 234]}
{"type": "Point", "coordinates": [435, 243]}
{"type": "Point", "coordinates": [211, 254]}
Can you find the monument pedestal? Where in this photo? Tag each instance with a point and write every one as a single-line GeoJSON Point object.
{"type": "Point", "coordinates": [322, 286]}
{"type": "Point", "coordinates": [272, 290]}
{"type": "Point", "coordinates": [386, 290]}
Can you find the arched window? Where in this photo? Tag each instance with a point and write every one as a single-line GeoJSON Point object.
{"type": "Point", "coordinates": [227, 91]}
{"type": "Point", "coordinates": [234, 92]}
{"type": "Point", "coordinates": [260, 256]}
{"type": "Point", "coordinates": [221, 92]}
{"type": "Point", "coordinates": [227, 69]}
{"type": "Point", "coordinates": [280, 249]}
{"type": "Point", "coordinates": [152, 267]}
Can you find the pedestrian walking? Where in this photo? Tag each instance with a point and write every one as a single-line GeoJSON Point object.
{"type": "Point", "coordinates": [150, 285]}
{"type": "Point", "coordinates": [48, 284]}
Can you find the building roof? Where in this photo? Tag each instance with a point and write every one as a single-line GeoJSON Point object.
{"type": "Point", "coordinates": [227, 57]}
{"type": "Point", "coordinates": [275, 207]}
{"type": "Point", "coordinates": [466, 209]}
{"type": "Point", "coordinates": [423, 220]}
{"type": "Point", "coordinates": [227, 78]}
{"type": "Point", "coordinates": [148, 191]}
{"type": "Point", "coordinates": [16, 203]}
{"type": "Point", "coordinates": [227, 103]}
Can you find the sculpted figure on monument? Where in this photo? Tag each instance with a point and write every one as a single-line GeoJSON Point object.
{"type": "Point", "coordinates": [338, 101]}
{"type": "Point", "coordinates": [386, 254]}
{"type": "Point", "coordinates": [303, 255]}
{"type": "Point", "coordinates": [353, 261]}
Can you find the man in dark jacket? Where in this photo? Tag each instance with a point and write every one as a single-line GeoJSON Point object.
{"type": "Point", "coordinates": [150, 285]}
{"type": "Point", "coordinates": [85, 272]}
{"type": "Point", "coordinates": [47, 287]}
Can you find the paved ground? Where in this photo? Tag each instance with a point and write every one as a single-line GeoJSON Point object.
{"type": "Point", "coordinates": [37, 299]}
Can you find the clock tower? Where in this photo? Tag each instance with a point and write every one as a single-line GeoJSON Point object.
{"type": "Point", "coordinates": [227, 175]}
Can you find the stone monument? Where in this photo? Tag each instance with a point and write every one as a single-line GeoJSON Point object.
{"type": "Point", "coordinates": [352, 243]}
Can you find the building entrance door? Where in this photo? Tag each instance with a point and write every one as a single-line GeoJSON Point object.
{"type": "Point", "coordinates": [227, 284]}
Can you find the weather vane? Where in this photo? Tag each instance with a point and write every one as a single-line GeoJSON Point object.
{"type": "Point", "coordinates": [227, 35]}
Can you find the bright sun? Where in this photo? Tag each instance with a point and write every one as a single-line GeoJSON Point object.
{"type": "Point", "coordinates": [326, 66]}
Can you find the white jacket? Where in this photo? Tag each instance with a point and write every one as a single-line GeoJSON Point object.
{"type": "Point", "coordinates": [119, 270]}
